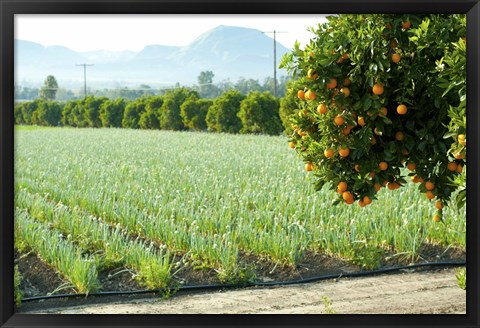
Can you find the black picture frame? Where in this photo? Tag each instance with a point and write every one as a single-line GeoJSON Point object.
{"type": "Point", "coordinates": [9, 8]}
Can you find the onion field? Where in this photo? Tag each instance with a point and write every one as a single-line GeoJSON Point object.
{"type": "Point", "coordinates": [157, 202]}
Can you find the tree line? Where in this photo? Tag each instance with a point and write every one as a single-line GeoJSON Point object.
{"type": "Point", "coordinates": [178, 109]}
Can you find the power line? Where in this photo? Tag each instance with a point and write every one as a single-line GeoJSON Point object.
{"type": "Point", "coordinates": [274, 58]}
{"type": "Point", "coordinates": [84, 76]}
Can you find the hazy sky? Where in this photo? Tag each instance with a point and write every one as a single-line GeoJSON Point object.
{"type": "Point", "coordinates": [134, 32]}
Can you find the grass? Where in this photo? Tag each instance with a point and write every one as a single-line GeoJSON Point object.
{"type": "Point", "coordinates": [211, 196]}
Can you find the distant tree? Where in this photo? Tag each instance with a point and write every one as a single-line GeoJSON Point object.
{"type": "Point", "coordinates": [259, 114]}
{"type": "Point", "coordinates": [18, 113]}
{"type": "Point", "coordinates": [206, 88]}
{"type": "Point", "coordinates": [245, 86]}
{"type": "Point", "coordinates": [92, 110]}
{"type": "Point", "coordinates": [150, 119]}
{"type": "Point", "coordinates": [48, 113]}
{"type": "Point", "coordinates": [170, 118]}
{"type": "Point", "coordinates": [77, 116]}
{"type": "Point", "coordinates": [49, 88]}
{"type": "Point", "coordinates": [132, 113]}
{"type": "Point", "coordinates": [194, 113]}
{"type": "Point", "coordinates": [67, 113]}
{"type": "Point", "coordinates": [111, 113]}
{"type": "Point", "coordinates": [222, 115]}
{"type": "Point", "coordinates": [28, 108]}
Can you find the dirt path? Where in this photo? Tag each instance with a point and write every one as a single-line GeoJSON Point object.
{"type": "Point", "coordinates": [431, 292]}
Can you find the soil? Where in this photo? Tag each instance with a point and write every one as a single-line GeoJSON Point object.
{"type": "Point", "coordinates": [418, 288]}
{"type": "Point", "coordinates": [424, 292]}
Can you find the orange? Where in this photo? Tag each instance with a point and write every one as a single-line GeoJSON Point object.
{"type": "Point", "coordinates": [332, 84]}
{"type": "Point", "coordinates": [462, 139]}
{"type": "Point", "coordinates": [292, 144]}
{"type": "Point", "coordinates": [411, 166]}
{"type": "Point", "coordinates": [377, 187]}
{"type": "Point", "coordinates": [310, 95]}
{"type": "Point", "coordinates": [347, 195]}
{"type": "Point", "coordinates": [345, 91]}
{"type": "Point", "coordinates": [357, 168]}
{"type": "Point", "coordinates": [377, 89]}
{"type": "Point", "coordinates": [372, 174]}
{"type": "Point", "coordinates": [402, 109]}
{"type": "Point", "coordinates": [344, 152]}
{"type": "Point", "coordinates": [429, 185]}
{"type": "Point", "coordinates": [350, 201]}
{"type": "Point", "coordinates": [383, 166]}
{"type": "Point", "coordinates": [361, 121]}
{"type": "Point", "coordinates": [406, 25]}
{"type": "Point", "coordinates": [361, 203]}
{"type": "Point", "coordinates": [458, 155]}
{"type": "Point", "coordinates": [396, 58]}
{"type": "Point", "coordinates": [367, 200]}
{"type": "Point", "coordinates": [339, 120]}
{"type": "Point", "coordinates": [429, 195]}
{"type": "Point", "coordinates": [345, 56]}
{"type": "Point", "coordinates": [384, 110]}
{"type": "Point", "coordinates": [322, 109]}
{"type": "Point", "coordinates": [438, 204]}
{"type": "Point", "coordinates": [399, 136]}
{"type": "Point", "coordinates": [342, 186]}
{"type": "Point", "coordinates": [347, 82]}
{"type": "Point", "coordinates": [311, 74]}
{"type": "Point", "coordinates": [452, 166]}
{"type": "Point", "coordinates": [301, 94]}
{"type": "Point", "coordinates": [437, 218]}
{"type": "Point", "coordinates": [346, 131]}
{"type": "Point", "coordinates": [308, 166]}
{"type": "Point", "coordinates": [376, 132]}
{"type": "Point", "coordinates": [459, 168]}
{"type": "Point", "coordinates": [329, 153]}
{"type": "Point", "coordinates": [374, 141]}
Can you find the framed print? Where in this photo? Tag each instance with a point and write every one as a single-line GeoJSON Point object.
{"type": "Point", "coordinates": [225, 163]}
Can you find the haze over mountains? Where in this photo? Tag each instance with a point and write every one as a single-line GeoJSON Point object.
{"type": "Point", "coordinates": [229, 52]}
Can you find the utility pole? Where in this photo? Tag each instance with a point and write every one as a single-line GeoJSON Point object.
{"type": "Point", "coordinates": [84, 76]}
{"type": "Point", "coordinates": [274, 59]}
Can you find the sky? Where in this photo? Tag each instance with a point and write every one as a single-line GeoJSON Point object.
{"type": "Point", "coordinates": [134, 32]}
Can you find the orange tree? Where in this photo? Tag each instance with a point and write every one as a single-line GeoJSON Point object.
{"type": "Point", "coordinates": [371, 112]}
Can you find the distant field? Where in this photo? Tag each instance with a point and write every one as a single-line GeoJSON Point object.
{"type": "Point", "coordinates": [158, 202]}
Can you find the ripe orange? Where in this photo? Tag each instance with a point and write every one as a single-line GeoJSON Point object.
{"type": "Point", "coordinates": [361, 121]}
{"type": "Point", "coordinates": [361, 203]}
{"type": "Point", "coordinates": [322, 109]}
{"type": "Point", "coordinates": [346, 131]}
{"type": "Point", "coordinates": [347, 82]}
{"type": "Point", "coordinates": [357, 168]}
{"type": "Point", "coordinates": [406, 25]}
{"type": "Point", "coordinates": [399, 136]}
{"type": "Point", "coordinates": [452, 166]}
{"type": "Point", "coordinates": [301, 94]}
{"type": "Point", "coordinates": [438, 204]}
{"type": "Point", "coordinates": [396, 58]}
{"type": "Point", "coordinates": [392, 185]}
{"type": "Point", "coordinates": [429, 195]}
{"type": "Point", "coordinates": [345, 91]}
{"type": "Point", "coordinates": [347, 195]}
{"type": "Point", "coordinates": [377, 89]}
{"type": "Point", "coordinates": [329, 153]}
{"type": "Point", "coordinates": [402, 109]}
{"type": "Point", "coordinates": [429, 185]}
{"type": "Point", "coordinates": [372, 174]}
{"type": "Point", "coordinates": [292, 144]}
{"type": "Point", "coordinates": [342, 186]}
{"type": "Point", "coordinates": [458, 155]}
{"type": "Point", "coordinates": [367, 200]}
{"type": "Point", "coordinates": [339, 120]}
{"type": "Point", "coordinates": [308, 166]}
{"type": "Point", "coordinates": [377, 186]}
{"type": "Point", "coordinates": [345, 56]}
{"type": "Point", "coordinates": [311, 74]}
{"type": "Point", "coordinates": [459, 168]}
{"type": "Point", "coordinates": [350, 201]}
{"type": "Point", "coordinates": [437, 218]}
{"type": "Point", "coordinates": [462, 139]}
{"type": "Point", "coordinates": [383, 166]}
{"type": "Point", "coordinates": [310, 95]}
{"type": "Point", "coordinates": [344, 152]}
{"type": "Point", "coordinates": [332, 84]}
{"type": "Point", "coordinates": [411, 166]}
{"type": "Point", "coordinates": [384, 110]}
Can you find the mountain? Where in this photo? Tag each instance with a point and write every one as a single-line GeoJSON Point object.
{"type": "Point", "coordinates": [229, 52]}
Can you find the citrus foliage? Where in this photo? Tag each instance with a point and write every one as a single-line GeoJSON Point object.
{"type": "Point", "coordinates": [370, 112]}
